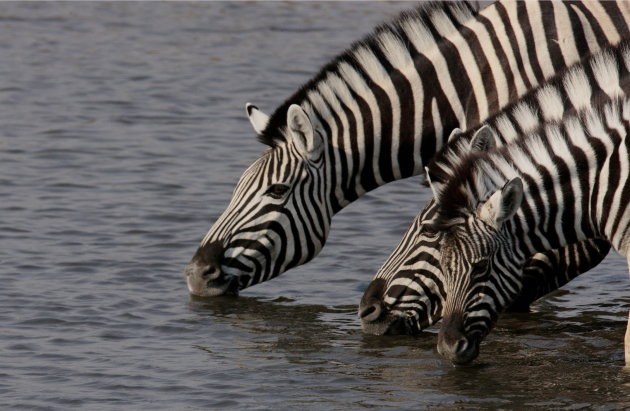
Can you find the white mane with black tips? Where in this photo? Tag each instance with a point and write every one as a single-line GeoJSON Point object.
{"type": "Point", "coordinates": [386, 44]}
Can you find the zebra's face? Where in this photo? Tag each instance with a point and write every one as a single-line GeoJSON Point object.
{"type": "Point", "coordinates": [405, 295]}
{"type": "Point", "coordinates": [273, 222]}
{"type": "Point", "coordinates": [481, 270]}
{"type": "Point", "coordinates": [466, 254]}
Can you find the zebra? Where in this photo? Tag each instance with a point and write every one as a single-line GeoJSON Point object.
{"type": "Point", "coordinates": [406, 295]}
{"type": "Point", "coordinates": [565, 182]}
{"type": "Point", "coordinates": [377, 113]}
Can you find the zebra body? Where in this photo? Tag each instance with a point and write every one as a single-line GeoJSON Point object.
{"type": "Point", "coordinates": [407, 293]}
{"type": "Point", "coordinates": [566, 182]}
{"type": "Point", "coordinates": [377, 113]}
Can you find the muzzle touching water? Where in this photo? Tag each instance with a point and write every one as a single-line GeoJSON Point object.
{"type": "Point", "coordinates": [204, 275]}
{"type": "Point", "coordinates": [377, 318]}
{"type": "Point", "coordinates": [454, 344]}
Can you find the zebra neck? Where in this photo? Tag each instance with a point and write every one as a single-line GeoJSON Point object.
{"type": "Point", "coordinates": [575, 176]}
{"type": "Point", "coordinates": [390, 103]}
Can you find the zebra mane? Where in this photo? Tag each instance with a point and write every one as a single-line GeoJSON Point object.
{"type": "Point", "coordinates": [610, 70]}
{"type": "Point", "coordinates": [448, 158]}
{"type": "Point", "coordinates": [429, 14]}
{"type": "Point", "coordinates": [478, 174]}
{"type": "Point", "coordinates": [454, 197]}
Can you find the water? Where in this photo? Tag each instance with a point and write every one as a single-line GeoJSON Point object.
{"type": "Point", "coordinates": [123, 134]}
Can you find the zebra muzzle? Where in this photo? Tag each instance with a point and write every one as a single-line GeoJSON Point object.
{"type": "Point", "coordinates": [454, 344]}
{"type": "Point", "coordinates": [377, 318]}
{"type": "Point", "coordinates": [371, 309]}
{"type": "Point", "coordinates": [205, 276]}
{"type": "Point", "coordinates": [203, 283]}
{"type": "Point", "coordinates": [226, 284]}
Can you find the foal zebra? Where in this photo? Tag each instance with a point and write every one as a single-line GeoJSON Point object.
{"type": "Point", "coordinates": [407, 293]}
{"type": "Point", "coordinates": [566, 182]}
{"type": "Point", "coordinates": [377, 113]}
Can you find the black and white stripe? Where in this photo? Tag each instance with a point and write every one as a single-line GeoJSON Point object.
{"type": "Point", "coordinates": [406, 294]}
{"type": "Point", "coordinates": [566, 182]}
{"type": "Point", "coordinates": [378, 113]}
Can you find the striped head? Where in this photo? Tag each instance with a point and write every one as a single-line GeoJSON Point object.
{"type": "Point", "coordinates": [479, 261]}
{"type": "Point", "coordinates": [278, 216]}
{"type": "Point", "coordinates": [407, 293]}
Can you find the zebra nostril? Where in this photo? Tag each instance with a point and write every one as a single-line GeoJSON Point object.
{"type": "Point", "coordinates": [462, 345]}
{"type": "Point", "coordinates": [207, 261]}
{"type": "Point", "coordinates": [370, 307]}
{"type": "Point", "coordinates": [211, 273]}
{"type": "Point", "coordinates": [371, 313]}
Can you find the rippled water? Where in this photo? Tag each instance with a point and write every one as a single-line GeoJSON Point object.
{"type": "Point", "coordinates": [122, 135]}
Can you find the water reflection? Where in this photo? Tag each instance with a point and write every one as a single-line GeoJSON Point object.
{"type": "Point", "coordinates": [538, 359]}
{"type": "Point", "coordinates": [272, 325]}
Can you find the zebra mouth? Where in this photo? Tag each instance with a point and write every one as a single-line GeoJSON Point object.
{"type": "Point", "coordinates": [402, 325]}
{"type": "Point", "coordinates": [391, 324]}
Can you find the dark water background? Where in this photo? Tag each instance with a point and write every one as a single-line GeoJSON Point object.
{"type": "Point", "coordinates": [122, 135]}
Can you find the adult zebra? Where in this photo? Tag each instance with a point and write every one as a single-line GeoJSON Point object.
{"type": "Point", "coordinates": [377, 113]}
{"type": "Point", "coordinates": [565, 182]}
{"type": "Point", "coordinates": [407, 293]}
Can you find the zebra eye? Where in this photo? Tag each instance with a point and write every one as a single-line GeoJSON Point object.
{"type": "Point", "coordinates": [277, 191]}
{"type": "Point", "coordinates": [479, 269]}
{"type": "Point", "coordinates": [428, 229]}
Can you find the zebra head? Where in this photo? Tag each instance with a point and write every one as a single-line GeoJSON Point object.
{"type": "Point", "coordinates": [406, 295]}
{"type": "Point", "coordinates": [273, 221]}
{"type": "Point", "coordinates": [478, 260]}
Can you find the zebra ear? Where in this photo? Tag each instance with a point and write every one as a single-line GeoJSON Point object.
{"type": "Point", "coordinates": [258, 119]}
{"type": "Point", "coordinates": [454, 133]}
{"type": "Point", "coordinates": [484, 139]}
{"type": "Point", "coordinates": [503, 204]}
{"type": "Point", "coordinates": [304, 137]}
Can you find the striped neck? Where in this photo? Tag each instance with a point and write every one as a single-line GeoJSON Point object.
{"type": "Point", "coordinates": [575, 177]}
{"type": "Point", "coordinates": [388, 104]}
